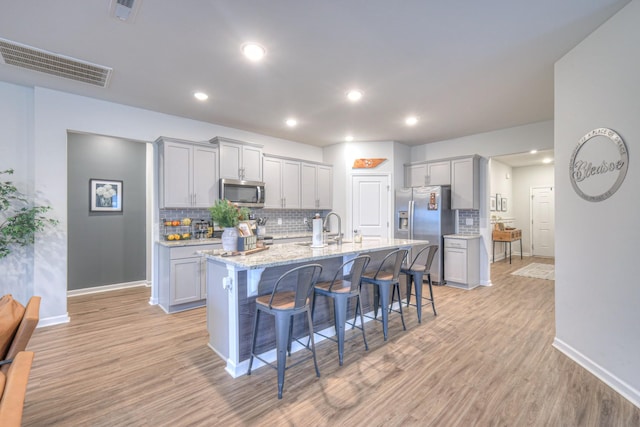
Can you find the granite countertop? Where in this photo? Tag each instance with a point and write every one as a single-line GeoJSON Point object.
{"type": "Point", "coordinates": [189, 242]}
{"type": "Point", "coordinates": [289, 253]}
{"type": "Point", "coordinates": [462, 236]}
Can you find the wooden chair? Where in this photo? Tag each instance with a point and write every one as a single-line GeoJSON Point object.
{"type": "Point", "coordinates": [23, 333]}
{"type": "Point", "coordinates": [18, 324]}
{"type": "Point", "coordinates": [13, 387]}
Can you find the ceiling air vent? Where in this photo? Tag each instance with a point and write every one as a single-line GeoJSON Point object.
{"type": "Point", "coordinates": [124, 10]}
{"type": "Point", "coordinates": [51, 63]}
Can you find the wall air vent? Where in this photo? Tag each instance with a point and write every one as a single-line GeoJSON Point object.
{"type": "Point", "coordinates": [35, 59]}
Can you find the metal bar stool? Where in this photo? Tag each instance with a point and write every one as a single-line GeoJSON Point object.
{"type": "Point", "coordinates": [341, 290]}
{"type": "Point", "coordinates": [415, 272]}
{"type": "Point", "coordinates": [386, 276]}
{"type": "Point", "coordinates": [291, 295]}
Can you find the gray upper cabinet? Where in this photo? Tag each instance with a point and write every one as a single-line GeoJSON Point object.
{"type": "Point", "coordinates": [415, 175]}
{"type": "Point", "coordinates": [239, 160]}
{"type": "Point", "coordinates": [317, 186]}
{"type": "Point", "coordinates": [439, 173]}
{"type": "Point", "coordinates": [282, 178]}
{"type": "Point", "coordinates": [188, 174]}
{"type": "Point", "coordinates": [465, 183]}
{"type": "Point", "coordinates": [428, 173]}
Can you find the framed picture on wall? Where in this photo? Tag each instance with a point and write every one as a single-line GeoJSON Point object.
{"type": "Point", "coordinates": [503, 204]}
{"type": "Point", "coordinates": [492, 203]}
{"type": "Point", "coordinates": [105, 195]}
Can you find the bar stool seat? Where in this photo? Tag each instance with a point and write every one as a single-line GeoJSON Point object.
{"type": "Point", "coordinates": [283, 304]}
{"type": "Point", "coordinates": [415, 272]}
{"type": "Point", "coordinates": [384, 278]}
{"type": "Point", "coordinates": [341, 291]}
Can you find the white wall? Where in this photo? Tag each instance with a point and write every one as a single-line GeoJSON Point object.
{"type": "Point", "coordinates": [342, 157]}
{"type": "Point", "coordinates": [16, 115]}
{"type": "Point", "coordinates": [597, 269]}
{"type": "Point", "coordinates": [34, 124]}
{"type": "Point", "coordinates": [505, 141]}
{"type": "Point", "coordinates": [524, 179]}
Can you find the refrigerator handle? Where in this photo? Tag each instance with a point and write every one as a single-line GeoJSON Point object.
{"type": "Point", "coordinates": [411, 208]}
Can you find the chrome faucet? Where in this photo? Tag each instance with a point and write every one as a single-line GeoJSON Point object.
{"type": "Point", "coordinates": [326, 221]}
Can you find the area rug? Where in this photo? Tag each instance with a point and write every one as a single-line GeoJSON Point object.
{"type": "Point", "coordinates": [538, 271]}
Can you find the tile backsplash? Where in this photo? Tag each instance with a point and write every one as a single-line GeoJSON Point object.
{"type": "Point", "coordinates": [292, 219]}
{"type": "Point", "coordinates": [463, 215]}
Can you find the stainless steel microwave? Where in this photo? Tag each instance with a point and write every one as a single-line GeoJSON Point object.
{"type": "Point", "coordinates": [242, 193]}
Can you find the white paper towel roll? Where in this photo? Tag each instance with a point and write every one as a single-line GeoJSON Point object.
{"type": "Point", "coordinates": [316, 240]}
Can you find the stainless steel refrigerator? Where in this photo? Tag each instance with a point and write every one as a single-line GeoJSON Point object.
{"type": "Point", "coordinates": [424, 213]}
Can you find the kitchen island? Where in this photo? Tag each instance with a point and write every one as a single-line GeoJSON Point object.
{"type": "Point", "coordinates": [233, 282]}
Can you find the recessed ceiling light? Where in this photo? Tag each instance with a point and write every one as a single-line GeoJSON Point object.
{"type": "Point", "coordinates": [291, 122]}
{"type": "Point", "coordinates": [533, 151]}
{"type": "Point", "coordinates": [253, 51]}
{"type": "Point", "coordinates": [547, 160]}
{"type": "Point", "coordinates": [411, 120]}
{"type": "Point", "coordinates": [354, 95]}
{"type": "Point", "coordinates": [201, 96]}
{"type": "Point", "coordinates": [348, 138]}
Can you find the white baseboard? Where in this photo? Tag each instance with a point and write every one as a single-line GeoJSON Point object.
{"type": "Point", "coordinates": [627, 391]}
{"type": "Point", "coordinates": [106, 288]}
{"type": "Point", "coordinates": [55, 320]}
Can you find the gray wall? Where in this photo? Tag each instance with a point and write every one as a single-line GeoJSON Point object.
{"type": "Point", "coordinates": [105, 248]}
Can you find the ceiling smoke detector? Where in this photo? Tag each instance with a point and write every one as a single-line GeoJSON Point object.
{"type": "Point", "coordinates": [124, 10]}
{"type": "Point", "coordinates": [24, 56]}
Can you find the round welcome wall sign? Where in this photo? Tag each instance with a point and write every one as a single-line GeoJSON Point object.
{"type": "Point", "coordinates": [598, 165]}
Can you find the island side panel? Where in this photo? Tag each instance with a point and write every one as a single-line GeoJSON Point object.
{"type": "Point", "coordinates": [218, 308]}
{"type": "Point", "coordinates": [323, 316]}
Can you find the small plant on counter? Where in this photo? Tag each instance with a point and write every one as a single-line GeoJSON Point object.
{"type": "Point", "coordinates": [226, 214]}
{"type": "Point", "coordinates": [19, 218]}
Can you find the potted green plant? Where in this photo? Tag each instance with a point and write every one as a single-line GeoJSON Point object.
{"type": "Point", "coordinates": [228, 216]}
{"type": "Point", "coordinates": [20, 219]}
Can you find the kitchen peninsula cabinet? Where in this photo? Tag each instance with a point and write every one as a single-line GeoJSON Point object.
{"type": "Point", "coordinates": [317, 186]}
{"type": "Point", "coordinates": [239, 160]}
{"type": "Point", "coordinates": [182, 283]}
{"type": "Point", "coordinates": [282, 178]}
{"type": "Point", "coordinates": [465, 183]}
{"type": "Point", "coordinates": [188, 174]}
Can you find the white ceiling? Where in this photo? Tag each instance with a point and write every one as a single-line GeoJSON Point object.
{"type": "Point", "coordinates": [526, 159]}
{"type": "Point", "coordinates": [462, 67]}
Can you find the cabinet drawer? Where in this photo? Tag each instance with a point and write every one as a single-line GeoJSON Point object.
{"type": "Point", "coordinates": [189, 251]}
{"type": "Point", "coordinates": [455, 243]}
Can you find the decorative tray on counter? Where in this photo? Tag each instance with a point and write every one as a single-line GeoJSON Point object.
{"type": "Point", "coordinates": [249, 252]}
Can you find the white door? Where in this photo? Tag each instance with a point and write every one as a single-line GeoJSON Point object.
{"type": "Point", "coordinates": [542, 222]}
{"type": "Point", "coordinates": [370, 201]}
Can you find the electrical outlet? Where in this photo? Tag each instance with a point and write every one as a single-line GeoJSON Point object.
{"type": "Point", "coordinates": [469, 221]}
{"type": "Point", "coordinates": [304, 220]}
{"type": "Point", "coordinates": [279, 221]}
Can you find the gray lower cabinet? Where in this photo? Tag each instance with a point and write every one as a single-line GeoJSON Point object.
{"type": "Point", "coordinates": [462, 262]}
{"type": "Point", "coordinates": [182, 278]}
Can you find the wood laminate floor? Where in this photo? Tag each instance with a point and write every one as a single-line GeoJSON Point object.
{"type": "Point", "coordinates": [485, 360]}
